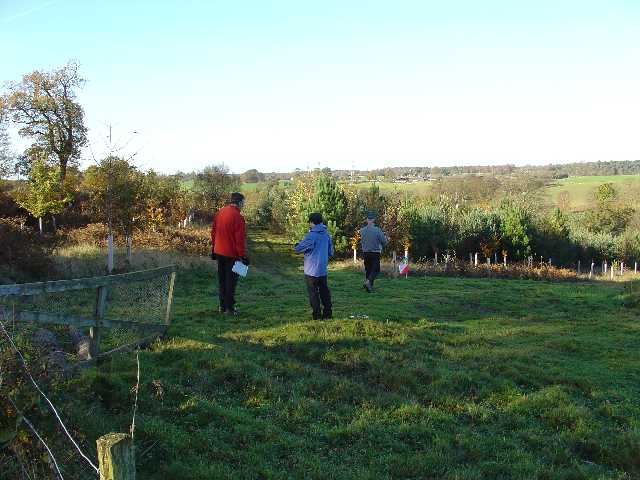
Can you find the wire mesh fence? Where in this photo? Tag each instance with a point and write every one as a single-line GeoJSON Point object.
{"type": "Point", "coordinates": [50, 330]}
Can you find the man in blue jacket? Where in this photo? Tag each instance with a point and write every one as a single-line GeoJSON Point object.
{"type": "Point", "coordinates": [317, 248]}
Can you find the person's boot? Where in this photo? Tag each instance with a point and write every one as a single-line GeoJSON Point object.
{"type": "Point", "coordinates": [367, 286]}
{"type": "Point", "coordinates": [327, 315]}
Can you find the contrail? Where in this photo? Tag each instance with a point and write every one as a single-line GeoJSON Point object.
{"type": "Point", "coordinates": [37, 8]}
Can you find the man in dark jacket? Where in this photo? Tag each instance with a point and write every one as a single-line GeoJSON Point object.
{"type": "Point", "coordinates": [372, 240]}
{"type": "Point", "coordinates": [317, 248]}
{"type": "Point", "coordinates": [228, 244]}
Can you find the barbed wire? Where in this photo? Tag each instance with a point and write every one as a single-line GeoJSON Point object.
{"type": "Point", "coordinates": [135, 404]}
{"type": "Point", "coordinates": [33, 429]}
{"type": "Point", "coordinates": [53, 408]}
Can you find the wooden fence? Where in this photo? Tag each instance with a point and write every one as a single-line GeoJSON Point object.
{"type": "Point", "coordinates": [97, 321]}
{"type": "Point", "coordinates": [116, 457]}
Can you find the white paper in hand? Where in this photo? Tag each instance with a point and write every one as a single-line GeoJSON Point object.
{"type": "Point", "coordinates": [240, 268]}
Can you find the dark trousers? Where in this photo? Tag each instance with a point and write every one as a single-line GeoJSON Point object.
{"type": "Point", "coordinates": [319, 292]}
{"type": "Point", "coordinates": [227, 281]}
{"type": "Point", "coordinates": [371, 266]}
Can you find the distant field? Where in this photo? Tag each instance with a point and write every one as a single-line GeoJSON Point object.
{"type": "Point", "coordinates": [389, 187]}
{"type": "Point", "coordinates": [580, 190]}
{"type": "Point", "coordinates": [249, 187]}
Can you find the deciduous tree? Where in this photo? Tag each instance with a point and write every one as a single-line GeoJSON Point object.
{"type": "Point", "coordinates": [116, 190]}
{"type": "Point", "coordinates": [44, 194]}
{"type": "Point", "coordinates": [212, 187]}
{"type": "Point", "coordinates": [44, 106]}
{"type": "Point", "coordinates": [6, 158]}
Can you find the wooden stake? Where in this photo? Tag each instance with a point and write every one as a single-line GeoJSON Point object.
{"type": "Point", "coordinates": [116, 457]}
{"type": "Point", "coordinates": [94, 331]}
{"type": "Point", "coordinates": [129, 245]}
{"type": "Point", "coordinates": [395, 264]}
{"type": "Point", "coordinates": [167, 315]}
{"type": "Point", "coordinates": [110, 253]}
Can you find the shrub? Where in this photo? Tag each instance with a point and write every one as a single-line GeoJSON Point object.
{"type": "Point", "coordinates": [24, 255]}
{"type": "Point", "coordinates": [194, 241]}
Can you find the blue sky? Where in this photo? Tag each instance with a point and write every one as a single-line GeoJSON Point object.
{"type": "Point", "coordinates": [278, 85]}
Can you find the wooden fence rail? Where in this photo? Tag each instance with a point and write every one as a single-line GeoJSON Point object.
{"type": "Point", "coordinates": [98, 321]}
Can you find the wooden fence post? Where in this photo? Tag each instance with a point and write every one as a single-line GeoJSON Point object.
{"type": "Point", "coordinates": [172, 280]}
{"type": "Point", "coordinates": [395, 265]}
{"type": "Point", "coordinates": [476, 262]}
{"type": "Point", "coordinates": [110, 253]}
{"type": "Point", "coordinates": [592, 267]}
{"type": "Point", "coordinates": [94, 332]}
{"type": "Point", "coordinates": [635, 267]}
{"type": "Point", "coordinates": [116, 458]}
{"type": "Point", "coordinates": [621, 268]}
{"type": "Point", "coordinates": [579, 272]}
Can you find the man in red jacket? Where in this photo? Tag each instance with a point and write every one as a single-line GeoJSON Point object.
{"type": "Point", "coordinates": [228, 244]}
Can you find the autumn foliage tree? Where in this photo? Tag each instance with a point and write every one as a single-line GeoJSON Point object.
{"type": "Point", "coordinates": [6, 160]}
{"type": "Point", "coordinates": [43, 193]}
{"type": "Point", "coordinates": [115, 187]}
{"type": "Point", "coordinates": [44, 106]}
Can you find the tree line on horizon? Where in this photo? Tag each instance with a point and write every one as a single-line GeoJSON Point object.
{"type": "Point", "coordinates": [491, 210]}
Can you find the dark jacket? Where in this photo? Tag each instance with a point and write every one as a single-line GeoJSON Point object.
{"type": "Point", "coordinates": [372, 239]}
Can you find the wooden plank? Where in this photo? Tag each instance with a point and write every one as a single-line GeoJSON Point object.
{"type": "Point", "coordinates": [172, 280]}
{"type": "Point", "coordinates": [116, 457]}
{"type": "Point", "coordinates": [50, 318]}
{"type": "Point", "coordinates": [143, 342]}
{"type": "Point", "coordinates": [41, 288]}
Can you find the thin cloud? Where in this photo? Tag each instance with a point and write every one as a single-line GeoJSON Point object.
{"type": "Point", "coordinates": [35, 9]}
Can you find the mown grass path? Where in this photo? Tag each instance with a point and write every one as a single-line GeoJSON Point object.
{"type": "Point", "coordinates": [437, 378]}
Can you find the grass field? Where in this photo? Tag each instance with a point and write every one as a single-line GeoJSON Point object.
{"type": "Point", "coordinates": [419, 188]}
{"type": "Point", "coordinates": [429, 378]}
{"type": "Point", "coordinates": [580, 190]}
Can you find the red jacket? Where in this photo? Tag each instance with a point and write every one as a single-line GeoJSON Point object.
{"type": "Point", "coordinates": [228, 233]}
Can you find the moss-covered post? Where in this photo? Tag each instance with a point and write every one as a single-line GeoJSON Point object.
{"type": "Point", "coordinates": [115, 457]}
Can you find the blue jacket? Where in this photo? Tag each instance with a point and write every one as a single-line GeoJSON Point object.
{"type": "Point", "coordinates": [317, 248]}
